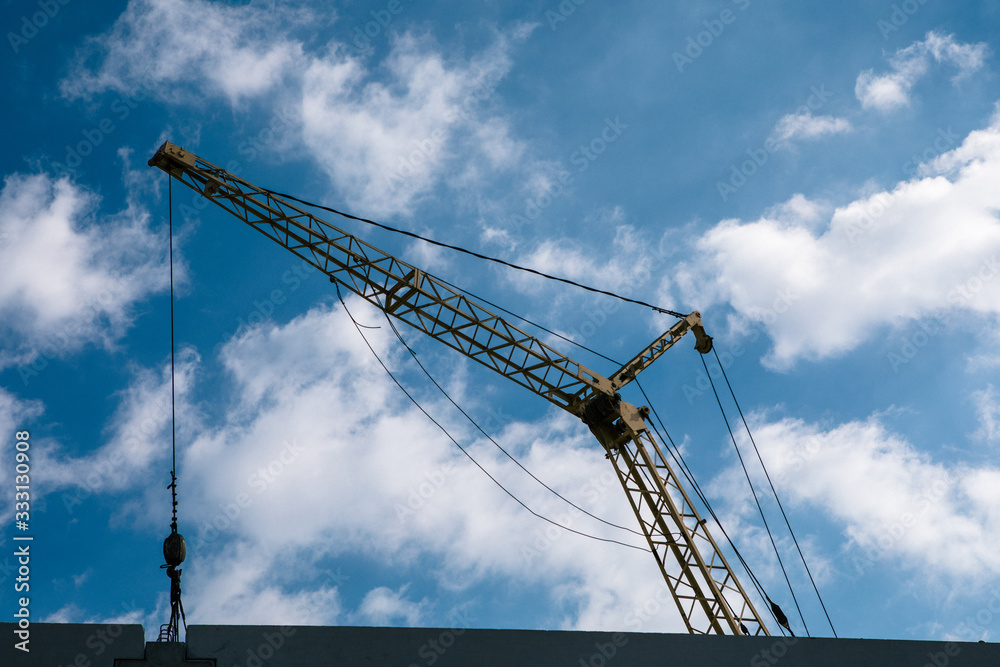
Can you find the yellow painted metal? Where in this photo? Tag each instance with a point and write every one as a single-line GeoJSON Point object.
{"type": "Point", "coordinates": [639, 362]}
{"type": "Point", "coordinates": [707, 592]}
{"type": "Point", "coordinates": [708, 595]}
{"type": "Point", "coordinates": [413, 296]}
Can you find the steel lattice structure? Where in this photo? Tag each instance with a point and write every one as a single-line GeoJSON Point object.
{"type": "Point", "coordinates": [708, 594]}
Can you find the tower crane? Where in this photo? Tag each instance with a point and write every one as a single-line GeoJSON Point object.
{"type": "Point", "coordinates": [710, 598]}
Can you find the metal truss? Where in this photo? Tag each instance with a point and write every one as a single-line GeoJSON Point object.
{"type": "Point", "coordinates": [706, 590]}
{"type": "Point", "coordinates": [708, 594]}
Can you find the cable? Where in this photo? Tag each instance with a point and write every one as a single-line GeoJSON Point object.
{"type": "Point", "coordinates": [174, 549]}
{"type": "Point", "coordinates": [173, 410]}
{"type": "Point", "coordinates": [472, 253]}
{"type": "Point", "coordinates": [464, 451]}
{"type": "Point", "coordinates": [525, 319]}
{"type": "Point", "coordinates": [490, 438]}
{"type": "Point", "coordinates": [755, 499]}
{"type": "Point", "coordinates": [775, 493]}
{"type": "Point", "coordinates": [758, 586]}
{"type": "Point", "coordinates": [683, 466]}
{"type": "Point", "coordinates": [689, 476]}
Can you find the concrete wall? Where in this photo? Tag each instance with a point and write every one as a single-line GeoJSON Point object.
{"type": "Point", "coordinates": [66, 644]}
{"type": "Point", "coordinates": [56, 645]}
{"type": "Point", "coordinates": [425, 647]}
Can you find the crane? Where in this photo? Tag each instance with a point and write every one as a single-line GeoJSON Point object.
{"type": "Point", "coordinates": [708, 595]}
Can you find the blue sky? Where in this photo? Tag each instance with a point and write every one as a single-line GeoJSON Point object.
{"type": "Point", "coordinates": [820, 180]}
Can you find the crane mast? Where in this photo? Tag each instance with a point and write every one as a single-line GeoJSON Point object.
{"type": "Point", "coordinates": [710, 598]}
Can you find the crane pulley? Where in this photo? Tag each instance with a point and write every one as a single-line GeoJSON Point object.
{"type": "Point", "coordinates": [707, 592]}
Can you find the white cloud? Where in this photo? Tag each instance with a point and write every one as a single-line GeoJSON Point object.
{"type": "Point", "coordinates": [384, 144]}
{"type": "Point", "coordinates": [243, 585]}
{"type": "Point", "coordinates": [311, 421]}
{"type": "Point", "coordinates": [987, 402]}
{"type": "Point", "coordinates": [804, 125]}
{"type": "Point", "coordinates": [308, 428]}
{"type": "Point", "coordinates": [820, 290]}
{"type": "Point", "coordinates": [72, 273]}
{"type": "Point", "coordinates": [986, 358]}
{"type": "Point", "coordinates": [427, 256]}
{"type": "Point", "coordinates": [885, 92]}
{"type": "Point", "coordinates": [157, 47]}
{"type": "Point", "coordinates": [135, 447]}
{"type": "Point", "coordinates": [630, 259]}
{"type": "Point", "coordinates": [79, 579]}
{"type": "Point", "coordinates": [890, 501]}
{"type": "Point", "coordinates": [15, 413]}
{"type": "Point", "coordinates": [384, 606]}
{"type": "Point", "coordinates": [385, 133]}
{"type": "Point", "coordinates": [493, 136]}
{"type": "Point", "coordinates": [801, 211]}
{"type": "Point", "coordinates": [71, 613]}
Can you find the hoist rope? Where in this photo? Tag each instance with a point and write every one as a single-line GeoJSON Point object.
{"type": "Point", "coordinates": [755, 498]}
{"type": "Point", "coordinates": [171, 631]}
{"type": "Point", "coordinates": [775, 493]}
{"type": "Point", "coordinates": [173, 409]}
{"type": "Point", "coordinates": [473, 253]}
{"type": "Point", "coordinates": [463, 449]}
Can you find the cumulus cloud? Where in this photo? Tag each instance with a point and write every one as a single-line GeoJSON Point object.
{"type": "Point", "coordinates": [157, 45]}
{"type": "Point", "coordinates": [885, 92]}
{"type": "Point", "coordinates": [386, 143]}
{"type": "Point", "coordinates": [311, 421]}
{"type": "Point", "coordinates": [819, 290]}
{"type": "Point", "coordinates": [890, 500]}
{"type": "Point", "coordinates": [244, 585]}
{"type": "Point", "coordinates": [73, 273]}
{"type": "Point", "coordinates": [385, 133]}
{"type": "Point", "coordinates": [138, 438]}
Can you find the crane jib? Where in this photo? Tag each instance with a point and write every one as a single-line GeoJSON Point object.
{"type": "Point", "coordinates": [423, 302]}
{"type": "Point", "coordinates": [708, 594]}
